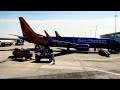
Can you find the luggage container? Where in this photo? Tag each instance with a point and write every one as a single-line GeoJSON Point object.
{"type": "Point", "coordinates": [39, 56]}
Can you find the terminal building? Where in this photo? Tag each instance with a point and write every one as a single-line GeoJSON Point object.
{"type": "Point", "coordinates": [111, 35]}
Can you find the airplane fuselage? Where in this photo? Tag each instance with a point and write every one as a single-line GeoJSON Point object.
{"type": "Point", "coordinates": [93, 42]}
{"type": "Point", "coordinates": [4, 43]}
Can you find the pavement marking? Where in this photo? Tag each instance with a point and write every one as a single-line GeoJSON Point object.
{"type": "Point", "coordinates": [5, 60]}
{"type": "Point", "coordinates": [103, 71]}
{"type": "Point", "coordinates": [77, 59]}
{"type": "Point", "coordinates": [95, 68]}
{"type": "Point", "coordinates": [109, 58]}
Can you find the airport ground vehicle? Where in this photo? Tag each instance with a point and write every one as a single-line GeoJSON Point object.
{"type": "Point", "coordinates": [38, 57]}
{"type": "Point", "coordinates": [45, 53]}
{"type": "Point", "coordinates": [19, 42]}
{"type": "Point", "coordinates": [103, 52]}
{"type": "Point", "coordinates": [22, 53]}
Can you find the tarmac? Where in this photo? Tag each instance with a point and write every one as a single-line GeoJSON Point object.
{"type": "Point", "coordinates": [72, 65]}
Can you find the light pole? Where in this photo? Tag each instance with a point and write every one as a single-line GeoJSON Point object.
{"type": "Point", "coordinates": [85, 34]}
{"type": "Point", "coordinates": [95, 30]}
{"type": "Point", "coordinates": [115, 26]}
{"type": "Point", "coordinates": [90, 32]}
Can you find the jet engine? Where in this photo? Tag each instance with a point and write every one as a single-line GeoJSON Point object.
{"type": "Point", "coordinates": [82, 47]}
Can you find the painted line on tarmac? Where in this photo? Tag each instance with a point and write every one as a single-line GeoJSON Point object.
{"type": "Point", "coordinates": [103, 71]}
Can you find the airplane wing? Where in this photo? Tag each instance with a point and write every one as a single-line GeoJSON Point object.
{"type": "Point", "coordinates": [17, 36]}
{"type": "Point", "coordinates": [58, 43]}
{"type": "Point", "coordinates": [20, 37]}
{"type": "Point", "coordinates": [8, 38]}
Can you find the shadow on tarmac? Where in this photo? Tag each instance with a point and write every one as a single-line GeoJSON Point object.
{"type": "Point", "coordinates": [65, 52]}
{"type": "Point", "coordinates": [72, 75]}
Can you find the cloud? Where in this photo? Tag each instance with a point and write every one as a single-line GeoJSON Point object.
{"type": "Point", "coordinates": [8, 21]}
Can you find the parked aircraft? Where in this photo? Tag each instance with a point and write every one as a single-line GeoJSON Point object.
{"type": "Point", "coordinates": [109, 43]}
{"type": "Point", "coordinates": [4, 43]}
{"type": "Point", "coordinates": [33, 37]}
{"type": "Point", "coordinates": [9, 41]}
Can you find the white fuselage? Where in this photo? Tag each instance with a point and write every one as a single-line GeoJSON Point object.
{"type": "Point", "coordinates": [6, 42]}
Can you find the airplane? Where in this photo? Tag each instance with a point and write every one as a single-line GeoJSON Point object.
{"type": "Point", "coordinates": [9, 41]}
{"type": "Point", "coordinates": [4, 43]}
{"type": "Point", "coordinates": [41, 40]}
{"type": "Point", "coordinates": [108, 43]}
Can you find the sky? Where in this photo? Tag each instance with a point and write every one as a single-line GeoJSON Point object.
{"type": "Point", "coordinates": [67, 23]}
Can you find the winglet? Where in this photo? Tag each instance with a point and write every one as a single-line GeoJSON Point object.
{"type": "Point", "coordinates": [48, 36]}
{"type": "Point", "coordinates": [57, 35]}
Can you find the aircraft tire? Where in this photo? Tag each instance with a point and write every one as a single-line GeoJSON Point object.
{"type": "Point", "coordinates": [37, 60]}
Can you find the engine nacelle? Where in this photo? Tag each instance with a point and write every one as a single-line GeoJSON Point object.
{"type": "Point", "coordinates": [82, 47]}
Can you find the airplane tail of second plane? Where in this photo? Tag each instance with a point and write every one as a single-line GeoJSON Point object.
{"type": "Point", "coordinates": [57, 35]}
{"type": "Point", "coordinates": [48, 36]}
